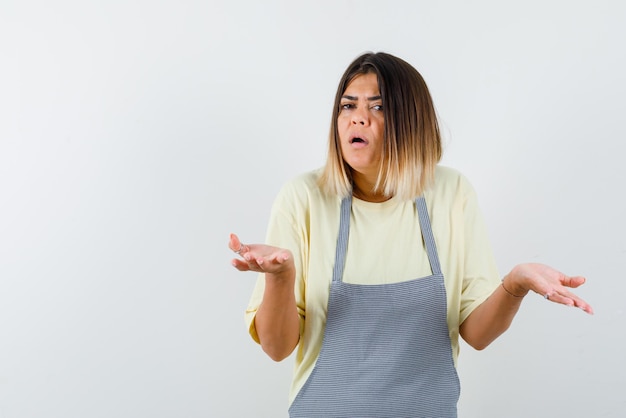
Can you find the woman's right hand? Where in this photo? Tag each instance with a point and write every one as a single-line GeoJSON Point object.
{"type": "Point", "coordinates": [277, 322]}
{"type": "Point", "coordinates": [260, 257]}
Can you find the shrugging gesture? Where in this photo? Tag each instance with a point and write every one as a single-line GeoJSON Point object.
{"type": "Point", "coordinates": [277, 322]}
{"type": "Point", "coordinates": [547, 282]}
{"type": "Point", "coordinates": [260, 257]}
{"type": "Point", "coordinates": [494, 316]}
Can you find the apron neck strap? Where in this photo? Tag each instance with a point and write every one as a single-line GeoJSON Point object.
{"type": "Point", "coordinates": [427, 234]}
{"type": "Point", "coordinates": [342, 238]}
{"type": "Point", "coordinates": [344, 233]}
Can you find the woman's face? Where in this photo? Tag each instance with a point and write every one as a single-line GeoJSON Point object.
{"type": "Point", "coordinates": [361, 125]}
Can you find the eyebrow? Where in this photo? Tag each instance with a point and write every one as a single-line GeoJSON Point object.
{"type": "Point", "coordinates": [345, 96]}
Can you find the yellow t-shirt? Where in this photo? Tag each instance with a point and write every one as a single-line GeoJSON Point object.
{"type": "Point", "coordinates": [385, 246]}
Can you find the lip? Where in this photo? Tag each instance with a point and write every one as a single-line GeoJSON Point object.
{"type": "Point", "coordinates": [359, 144]}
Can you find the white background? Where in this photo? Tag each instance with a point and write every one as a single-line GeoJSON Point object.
{"type": "Point", "coordinates": [136, 135]}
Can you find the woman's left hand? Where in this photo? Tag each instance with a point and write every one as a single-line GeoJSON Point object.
{"type": "Point", "coordinates": [546, 281]}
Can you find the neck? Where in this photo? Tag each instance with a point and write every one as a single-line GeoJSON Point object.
{"type": "Point", "coordinates": [363, 189]}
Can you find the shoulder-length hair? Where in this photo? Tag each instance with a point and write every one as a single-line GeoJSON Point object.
{"type": "Point", "coordinates": [412, 141]}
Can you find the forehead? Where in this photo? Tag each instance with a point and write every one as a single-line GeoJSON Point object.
{"type": "Point", "coordinates": [363, 84]}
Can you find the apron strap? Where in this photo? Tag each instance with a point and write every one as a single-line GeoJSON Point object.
{"type": "Point", "coordinates": [344, 232]}
{"type": "Point", "coordinates": [342, 238]}
{"type": "Point", "coordinates": [427, 235]}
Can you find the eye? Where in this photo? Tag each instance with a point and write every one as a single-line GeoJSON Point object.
{"type": "Point", "coordinates": [346, 106]}
{"type": "Point", "coordinates": [378, 107]}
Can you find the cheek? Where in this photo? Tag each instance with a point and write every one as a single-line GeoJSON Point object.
{"type": "Point", "coordinates": [381, 135]}
{"type": "Point", "coordinates": [343, 147]}
{"type": "Point", "coordinates": [380, 127]}
{"type": "Point", "coordinates": [342, 124]}
{"type": "Point", "coordinates": [342, 130]}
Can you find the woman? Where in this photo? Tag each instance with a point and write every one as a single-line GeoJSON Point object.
{"type": "Point", "coordinates": [376, 263]}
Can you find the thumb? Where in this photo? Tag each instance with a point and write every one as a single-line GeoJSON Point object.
{"type": "Point", "coordinates": [574, 282]}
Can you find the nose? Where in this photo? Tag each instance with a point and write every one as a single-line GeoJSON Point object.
{"type": "Point", "coordinates": [360, 116]}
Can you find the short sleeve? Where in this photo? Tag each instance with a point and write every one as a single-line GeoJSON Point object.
{"type": "Point", "coordinates": [481, 275]}
{"type": "Point", "coordinates": [286, 229]}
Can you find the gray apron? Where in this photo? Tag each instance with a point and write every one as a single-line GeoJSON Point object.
{"type": "Point", "coordinates": [386, 350]}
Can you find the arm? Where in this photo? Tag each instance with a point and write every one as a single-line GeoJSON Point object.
{"type": "Point", "coordinates": [277, 321]}
{"type": "Point", "coordinates": [494, 316]}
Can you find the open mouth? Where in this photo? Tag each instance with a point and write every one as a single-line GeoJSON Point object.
{"type": "Point", "coordinates": [358, 140]}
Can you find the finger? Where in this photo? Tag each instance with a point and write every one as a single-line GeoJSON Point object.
{"type": "Point", "coordinates": [272, 263]}
{"type": "Point", "coordinates": [267, 264]}
{"type": "Point", "coordinates": [237, 246]}
{"type": "Point", "coordinates": [568, 299]}
{"type": "Point", "coordinates": [586, 307]}
{"type": "Point", "coordinates": [557, 297]}
{"type": "Point", "coordinates": [281, 257]}
{"type": "Point", "coordinates": [573, 282]}
{"type": "Point", "coordinates": [254, 263]}
{"type": "Point", "coordinates": [233, 243]}
{"type": "Point", "coordinates": [247, 265]}
{"type": "Point", "coordinates": [579, 303]}
{"type": "Point", "coordinates": [240, 265]}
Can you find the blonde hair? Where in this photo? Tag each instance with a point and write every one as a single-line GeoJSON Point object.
{"type": "Point", "coordinates": [412, 142]}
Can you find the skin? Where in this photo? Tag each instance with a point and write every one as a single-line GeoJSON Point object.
{"type": "Point", "coordinates": [361, 116]}
{"type": "Point", "coordinates": [277, 322]}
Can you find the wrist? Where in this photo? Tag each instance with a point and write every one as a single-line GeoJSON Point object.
{"type": "Point", "coordinates": [513, 287]}
{"type": "Point", "coordinates": [280, 279]}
